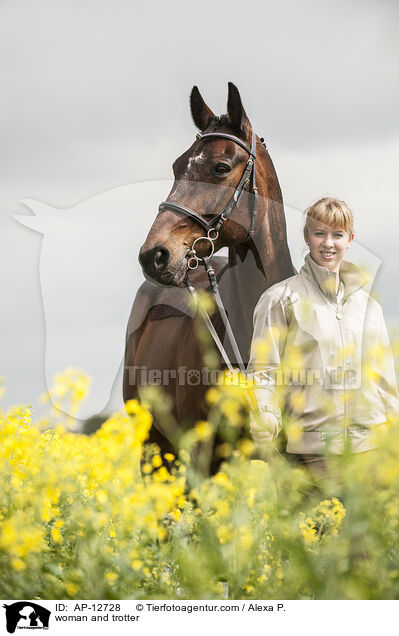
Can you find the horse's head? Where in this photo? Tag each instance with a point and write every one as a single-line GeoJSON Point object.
{"type": "Point", "coordinates": [213, 195]}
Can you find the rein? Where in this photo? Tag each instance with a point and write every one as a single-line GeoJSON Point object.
{"type": "Point", "coordinates": [215, 291]}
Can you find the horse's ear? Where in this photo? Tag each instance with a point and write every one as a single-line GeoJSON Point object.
{"type": "Point", "coordinates": [236, 112]}
{"type": "Point", "coordinates": [200, 112]}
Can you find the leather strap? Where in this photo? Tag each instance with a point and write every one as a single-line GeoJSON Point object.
{"type": "Point", "coordinates": [237, 140]}
{"type": "Point", "coordinates": [247, 178]}
{"type": "Point", "coordinates": [181, 209]}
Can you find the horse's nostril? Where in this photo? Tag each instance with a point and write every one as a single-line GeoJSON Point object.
{"type": "Point", "coordinates": [155, 259]}
{"type": "Point", "coordinates": [161, 258]}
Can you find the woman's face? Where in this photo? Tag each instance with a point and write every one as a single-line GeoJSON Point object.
{"type": "Point", "coordinates": [327, 244]}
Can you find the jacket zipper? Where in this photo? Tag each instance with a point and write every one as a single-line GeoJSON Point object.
{"type": "Point", "coordinates": [338, 308]}
{"type": "Point", "coordinates": [344, 372]}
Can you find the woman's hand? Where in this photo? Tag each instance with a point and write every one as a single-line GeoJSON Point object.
{"type": "Point", "coordinates": [262, 431]}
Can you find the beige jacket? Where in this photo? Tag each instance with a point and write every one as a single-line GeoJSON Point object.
{"type": "Point", "coordinates": [326, 362]}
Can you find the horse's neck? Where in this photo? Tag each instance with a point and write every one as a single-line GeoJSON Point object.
{"type": "Point", "coordinates": [254, 267]}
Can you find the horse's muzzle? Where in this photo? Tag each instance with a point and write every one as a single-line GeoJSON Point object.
{"type": "Point", "coordinates": [156, 265]}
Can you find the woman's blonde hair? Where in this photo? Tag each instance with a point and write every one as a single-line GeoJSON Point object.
{"type": "Point", "coordinates": [332, 212]}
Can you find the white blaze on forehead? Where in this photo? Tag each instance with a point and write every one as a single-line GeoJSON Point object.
{"type": "Point", "coordinates": [195, 159]}
{"type": "Point", "coordinates": [182, 183]}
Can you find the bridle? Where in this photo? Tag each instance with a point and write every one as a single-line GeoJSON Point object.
{"type": "Point", "coordinates": [213, 226]}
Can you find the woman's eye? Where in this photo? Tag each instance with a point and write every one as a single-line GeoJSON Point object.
{"type": "Point", "coordinates": [221, 168]}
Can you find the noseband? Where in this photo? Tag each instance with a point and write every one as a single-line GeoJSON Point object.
{"type": "Point", "coordinates": [213, 226]}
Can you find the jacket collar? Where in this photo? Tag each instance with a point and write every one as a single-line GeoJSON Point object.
{"type": "Point", "coordinates": [351, 275]}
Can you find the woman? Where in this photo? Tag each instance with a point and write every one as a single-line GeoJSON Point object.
{"type": "Point", "coordinates": [320, 351]}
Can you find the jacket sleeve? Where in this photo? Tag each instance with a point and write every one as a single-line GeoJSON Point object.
{"type": "Point", "coordinates": [384, 374]}
{"type": "Point", "coordinates": [268, 343]}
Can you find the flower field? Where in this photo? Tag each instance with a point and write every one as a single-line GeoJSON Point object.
{"type": "Point", "coordinates": [105, 516]}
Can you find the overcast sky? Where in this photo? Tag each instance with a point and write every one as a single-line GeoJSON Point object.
{"type": "Point", "coordinates": [95, 95]}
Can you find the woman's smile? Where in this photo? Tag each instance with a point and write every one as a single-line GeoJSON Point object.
{"type": "Point", "coordinates": [327, 244]}
{"type": "Point", "coordinates": [327, 254]}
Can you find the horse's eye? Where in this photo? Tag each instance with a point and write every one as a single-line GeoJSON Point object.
{"type": "Point", "coordinates": [221, 169]}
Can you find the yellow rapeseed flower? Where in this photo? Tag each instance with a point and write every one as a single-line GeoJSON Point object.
{"type": "Point", "coordinates": [137, 564]}
{"type": "Point", "coordinates": [203, 430]}
{"type": "Point", "coordinates": [246, 447]}
{"type": "Point", "coordinates": [157, 461]}
{"type": "Point", "coordinates": [308, 530]}
{"type": "Point", "coordinates": [294, 432]}
{"type": "Point", "coordinates": [224, 533]}
{"type": "Point", "coordinates": [111, 578]}
{"type": "Point", "coordinates": [71, 589]}
{"type": "Point", "coordinates": [18, 564]}
{"type": "Point", "coordinates": [56, 535]}
{"type": "Point", "coordinates": [213, 395]}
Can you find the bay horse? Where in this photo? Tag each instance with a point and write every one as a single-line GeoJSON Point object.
{"type": "Point", "coordinates": [161, 336]}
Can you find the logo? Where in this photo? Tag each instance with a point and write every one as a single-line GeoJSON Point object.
{"type": "Point", "coordinates": [89, 277]}
{"type": "Point", "coordinates": [26, 615]}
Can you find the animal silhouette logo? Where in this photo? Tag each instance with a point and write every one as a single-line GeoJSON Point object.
{"type": "Point", "coordinates": [26, 615]}
{"type": "Point", "coordinates": [89, 276]}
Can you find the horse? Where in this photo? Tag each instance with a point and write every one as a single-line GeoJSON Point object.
{"type": "Point", "coordinates": [162, 337]}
